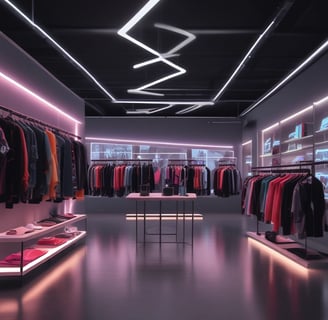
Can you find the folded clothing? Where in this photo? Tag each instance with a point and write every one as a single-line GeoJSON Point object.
{"type": "Point", "coordinates": [48, 222]}
{"type": "Point", "coordinates": [51, 241]}
{"type": "Point", "coordinates": [29, 255]}
{"type": "Point", "coordinates": [65, 235]}
{"type": "Point", "coordinates": [65, 216]}
{"type": "Point", "coordinates": [19, 231]}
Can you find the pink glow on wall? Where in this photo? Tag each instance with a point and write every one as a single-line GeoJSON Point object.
{"type": "Point", "coordinates": [167, 143]}
{"type": "Point", "coordinates": [31, 93]}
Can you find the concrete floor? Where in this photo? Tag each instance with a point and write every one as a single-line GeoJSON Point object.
{"type": "Point", "coordinates": [224, 275]}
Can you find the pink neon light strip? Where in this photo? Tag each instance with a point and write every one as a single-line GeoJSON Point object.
{"type": "Point", "coordinates": [167, 143]}
{"type": "Point", "coordinates": [36, 96]}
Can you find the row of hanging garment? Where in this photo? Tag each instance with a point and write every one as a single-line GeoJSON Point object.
{"type": "Point", "coordinates": [226, 181]}
{"type": "Point", "coordinates": [195, 178]}
{"type": "Point", "coordinates": [119, 179]}
{"type": "Point", "coordinates": [39, 164]}
{"type": "Point", "coordinates": [293, 203]}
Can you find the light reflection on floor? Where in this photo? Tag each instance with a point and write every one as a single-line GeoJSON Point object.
{"type": "Point", "coordinates": [223, 276]}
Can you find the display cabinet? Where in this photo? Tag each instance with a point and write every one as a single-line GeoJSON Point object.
{"type": "Point", "coordinates": [24, 248]}
{"type": "Point", "coordinates": [270, 145]}
{"type": "Point", "coordinates": [297, 137]}
{"type": "Point", "coordinates": [321, 141]}
{"type": "Point", "coordinates": [290, 140]}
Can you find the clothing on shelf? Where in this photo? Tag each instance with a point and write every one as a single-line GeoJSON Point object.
{"type": "Point", "coordinates": [39, 163]}
{"type": "Point", "coordinates": [226, 181]}
{"type": "Point", "coordinates": [293, 203]}
{"type": "Point", "coordinates": [111, 179]}
{"type": "Point", "coordinates": [15, 259]}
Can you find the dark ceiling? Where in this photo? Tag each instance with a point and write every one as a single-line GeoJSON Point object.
{"type": "Point", "coordinates": [224, 31]}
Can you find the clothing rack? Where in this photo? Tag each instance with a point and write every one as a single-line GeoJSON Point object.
{"type": "Point", "coordinates": [193, 162]}
{"type": "Point", "coordinates": [225, 164]}
{"type": "Point", "coordinates": [226, 161]}
{"type": "Point", "coordinates": [27, 118]}
{"type": "Point", "coordinates": [299, 164]}
{"type": "Point", "coordinates": [122, 160]}
{"type": "Point", "coordinates": [289, 168]}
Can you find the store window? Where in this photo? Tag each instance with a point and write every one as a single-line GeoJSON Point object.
{"type": "Point", "coordinates": [161, 155]}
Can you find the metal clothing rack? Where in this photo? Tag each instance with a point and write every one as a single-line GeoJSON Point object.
{"type": "Point", "coordinates": [289, 168]}
{"type": "Point", "coordinates": [192, 162]}
{"type": "Point", "coordinates": [226, 161]}
{"type": "Point", "coordinates": [27, 118]}
{"type": "Point", "coordinates": [121, 160]}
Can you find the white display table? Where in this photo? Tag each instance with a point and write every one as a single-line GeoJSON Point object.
{"type": "Point", "coordinates": [189, 197]}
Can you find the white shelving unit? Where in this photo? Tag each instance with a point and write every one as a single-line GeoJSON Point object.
{"type": "Point", "coordinates": [32, 237]}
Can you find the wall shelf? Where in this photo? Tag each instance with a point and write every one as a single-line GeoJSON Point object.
{"type": "Point", "coordinates": [29, 240]}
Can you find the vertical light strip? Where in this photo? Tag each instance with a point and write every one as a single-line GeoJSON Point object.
{"type": "Point", "coordinates": [34, 95]}
{"type": "Point", "coordinates": [60, 48]}
{"type": "Point", "coordinates": [76, 131]}
{"type": "Point", "coordinates": [241, 64]}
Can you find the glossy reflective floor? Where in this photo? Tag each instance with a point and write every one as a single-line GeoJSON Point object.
{"type": "Point", "coordinates": [224, 276]}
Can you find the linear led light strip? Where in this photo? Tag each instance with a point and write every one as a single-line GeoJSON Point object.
{"type": "Point", "coordinates": [71, 58]}
{"type": "Point", "coordinates": [247, 56]}
{"type": "Point", "coordinates": [171, 53]}
{"type": "Point", "coordinates": [321, 101]}
{"type": "Point", "coordinates": [246, 143]}
{"type": "Point", "coordinates": [192, 108]}
{"type": "Point", "coordinates": [184, 103]}
{"type": "Point", "coordinates": [166, 143]}
{"type": "Point", "coordinates": [153, 3]}
{"type": "Point", "coordinates": [323, 47]}
{"type": "Point", "coordinates": [68, 55]}
{"type": "Point", "coordinates": [297, 114]}
{"type": "Point", "coordinates": [289, 118]}
{"type": "Point", "coordinates": [271, 127]}
{"type": "Point", "coordinates": [123, 32]}
{"type": "Point", "coordinates": [154, 110]}
{"type": "Point", "coordinates": [149, 111]}
{"type": "Point", "coordinates": [36, 96]}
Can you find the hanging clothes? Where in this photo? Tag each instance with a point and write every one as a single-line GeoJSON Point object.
{"type": "Point", "coordinates": [39, 163]}
{"type": "Point", "coordinates": [119, 180]}
{"type": "Point", "coordinates": [292, 203]}
{"type": "Point", "coordinates": [195, 178]}
{"type": "Point", "coordinates": [226, 181]}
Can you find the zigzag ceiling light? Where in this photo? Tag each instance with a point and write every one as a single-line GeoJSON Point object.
{"type": "Point", "coordinates": [159, 57]}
